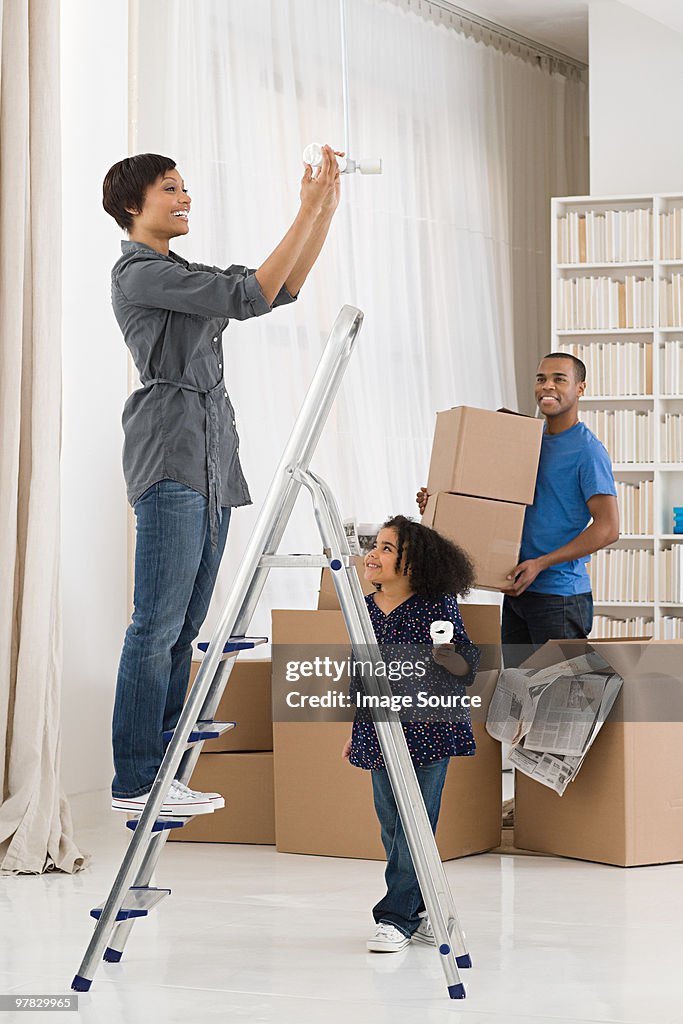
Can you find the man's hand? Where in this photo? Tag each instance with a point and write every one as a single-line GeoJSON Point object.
{"type": "Point", "coordinates": [421, 499]}
{"type": "Point", "coordinates": [447, 656]}
{"type": "Point", "coordinates": [346, 749]}
{"type": "Point", "coordinates": [522, 576]}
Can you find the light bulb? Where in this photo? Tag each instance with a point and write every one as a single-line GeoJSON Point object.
{"type": "Point", "coordinates": [313, 155]}
{"type": "Point", "coordinates": [441, 632]}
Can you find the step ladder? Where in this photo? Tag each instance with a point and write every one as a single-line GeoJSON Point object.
{"type": "Point", "coordinates": [132, 895]}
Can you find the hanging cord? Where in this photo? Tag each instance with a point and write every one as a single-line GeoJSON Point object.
{"type": "Point", "coordinates": [345, 76]}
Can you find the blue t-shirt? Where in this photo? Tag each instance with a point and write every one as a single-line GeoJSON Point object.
{"type": "Point", "coordinates": [574, 465]}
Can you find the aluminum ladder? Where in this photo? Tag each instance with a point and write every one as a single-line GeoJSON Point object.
{"type": "Point", "coordinates": [132, 895]}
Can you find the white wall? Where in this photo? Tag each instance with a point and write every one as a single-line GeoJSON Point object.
{"type": "Point", "coordinates": [94, 136]}
{"type": "Point", "coordinates": [636, 84]}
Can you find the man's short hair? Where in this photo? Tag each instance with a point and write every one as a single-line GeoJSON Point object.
{"type": "Point", "coordinates": [579, 367]}
{"type": "Point", "coordinates": [125, 183]}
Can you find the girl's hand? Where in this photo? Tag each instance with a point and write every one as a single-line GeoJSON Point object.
{"type": "Point", "coordinates": [421, 499]}
{"type": "Point", "coordinates": [346, 751]}
{"type": "Point", "coordinates": [447, 656]}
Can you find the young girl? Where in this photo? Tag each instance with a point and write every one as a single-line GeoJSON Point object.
{"type": "Point", "coordinates": [417, 574]}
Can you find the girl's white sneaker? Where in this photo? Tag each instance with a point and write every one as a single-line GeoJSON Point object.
{"type": "Point", "coordinates": [424, 933]}
{"type": "Point", "coordinates": [387, 939]}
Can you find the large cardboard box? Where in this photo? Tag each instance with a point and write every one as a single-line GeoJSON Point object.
{"type": "Point", "coordinates": [625, 806]}
{"type": "Point", "coordinates": [247, 701]}
{"type": "Point", "coordinates": [489, 531]}
{"type": "Point", "coordinates": [485, 454]}
{"type": "Point", "coordinates": [324, 806]}
{"type": "Point", "coordinates": [246, 782]}
{"type": "Point", "coordinates": [327, 597]}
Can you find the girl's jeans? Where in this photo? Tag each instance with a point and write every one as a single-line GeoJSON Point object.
{"type": "Point", "coordinates": [175, 573]}
{"type": "Point", "coordinates": [403, 904]}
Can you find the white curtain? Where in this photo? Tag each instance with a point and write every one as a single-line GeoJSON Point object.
{"type": "Point", "coordinates": [35, 822]}
{"type": "Point", "coordinates": [446, 252]}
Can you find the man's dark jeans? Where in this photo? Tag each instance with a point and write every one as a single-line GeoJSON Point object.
{"type": "Point", "coordinates": [532, 618]}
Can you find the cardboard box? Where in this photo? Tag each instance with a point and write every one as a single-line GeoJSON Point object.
{"type": "Point", "coordinates": [327, 597]}
{"type": "Point", "coordinates": [324, 806]}
{"type": "Point", "coordinates": [489, 531]}
{"type": "Point", "coordinates": [485, 454]}
{"type": "Point", "coordinates": [246, 782]}
{"type": "Point", "coordinates": [247, 701]}
{"type": "Point", "coordinates": [327, 627]}
{"type": "Point", "coordinates": [625, 806]}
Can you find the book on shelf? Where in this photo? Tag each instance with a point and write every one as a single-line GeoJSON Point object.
{"type": "Point", "coordinates": [672, 367]}
{"type": "Point", "coordinates": [635, 507]}
{"type": "Point", "coordinates": [671, 234]}
{"type": "Point", "coordinates": [604, 303]}
{"type": "Point", "coordinates": [607, 626]}
{"type": "Point", "coordinates": [610, 236]}
{"type": "Point", "coordinates": [626, 433]}
{"type": "Point", "coordinates": [671, 627]}
{"type": "Point", "coordinates": [671, 580]}
{"type": "Point", "coordinates": [622, 575]}
{"type": "Point", "coordinates": [671, 437]}
{"type": "Point", "coordinates": [671, 301]}
{"type": "Point", "coordinates": [619, 368]}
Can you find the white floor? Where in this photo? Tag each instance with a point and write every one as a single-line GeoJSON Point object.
{"type": "Point", "coordinates": [253, 935]}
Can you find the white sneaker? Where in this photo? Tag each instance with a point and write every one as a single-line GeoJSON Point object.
{"type": "Point", "coordinates": [215, 798]}
{"type": "Point", "coordinates": [424, 933]}
{"type": "Point", "coordinates": [387, 939]}
{"type": "Point", "coordinates": [178, 804]}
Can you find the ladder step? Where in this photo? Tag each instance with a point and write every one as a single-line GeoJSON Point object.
{"type": "Point", "coordinates": [204, 730]}
{"type": "Point", "coordinates": [139, 901]}
{"type": "Point", "coordinates": [237, 643]}
{"type": "Point", "coordinates": [303, 561]}
{"type": "Point", "coordinates": [160, 825]}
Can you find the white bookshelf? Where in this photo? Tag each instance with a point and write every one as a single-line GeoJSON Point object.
{"type": "Point", "coordinates": [654, 402]}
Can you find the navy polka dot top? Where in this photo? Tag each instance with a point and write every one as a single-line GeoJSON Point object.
{"type": "Point", "coordinates": [427, 741]}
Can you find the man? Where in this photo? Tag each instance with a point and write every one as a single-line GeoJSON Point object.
{"type": "Point", "coordinates": [549, 596]}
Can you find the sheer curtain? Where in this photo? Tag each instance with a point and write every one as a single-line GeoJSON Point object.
{"type": "Point", "coordinates": [35, 822]}
{"type": "Point", "coordinates": [446, 252]}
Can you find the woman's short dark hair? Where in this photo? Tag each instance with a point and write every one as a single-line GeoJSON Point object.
{"type": "Point", "coordinates": [436, 565]}
{"type": "Point", "coordinates": [125, 183]}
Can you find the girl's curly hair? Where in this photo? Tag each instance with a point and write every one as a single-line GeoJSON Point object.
{"type": "Point", "coordinates": [436, 565]}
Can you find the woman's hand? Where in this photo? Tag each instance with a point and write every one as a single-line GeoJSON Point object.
{"type": "Point", "coordinates": [346, 750]}
{"type": "Point", "coordinates": [321, 191]}
{"type": "Point", "coordinates": [421, 499]}
{"type": "Point", "coordinates": [447, 656]}
{"type": "Point", "coordinates": [331, 200]}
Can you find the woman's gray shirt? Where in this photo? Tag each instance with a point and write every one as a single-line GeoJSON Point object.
{"type": "Point", "coordinates": [180, 425]}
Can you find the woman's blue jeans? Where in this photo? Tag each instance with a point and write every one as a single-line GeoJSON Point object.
{"type": "Point", "coordinates": [175, 573]}
{"type": "Point", "coordinates": [403, 904]}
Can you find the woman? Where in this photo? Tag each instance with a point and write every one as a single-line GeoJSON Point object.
{"type": "Point", "coordinates": [180, 458]}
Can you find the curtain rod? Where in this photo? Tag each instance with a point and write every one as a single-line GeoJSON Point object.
{"type": "Point", "coordinates": [477, 27]}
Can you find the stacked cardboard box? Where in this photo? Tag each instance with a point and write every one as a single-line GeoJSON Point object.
{"type": "Point", "coordinates": [323, 805]}
{"type": "Point", "coordinates": [625, 806]}
{"type": "Point", "coordinates": [482, 474]}
{"type": "Point", "coordinates": [239, 764]}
